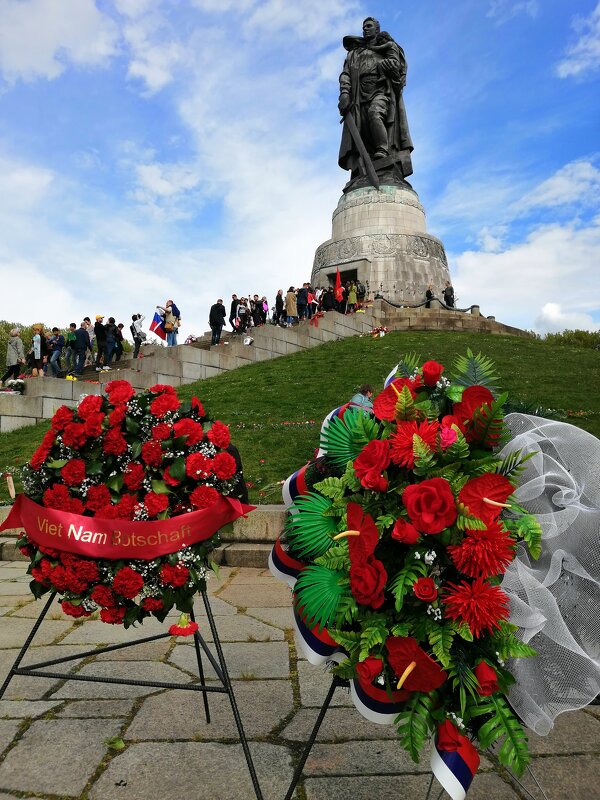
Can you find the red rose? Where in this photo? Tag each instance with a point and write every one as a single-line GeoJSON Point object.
{"type": "Point", "coordinates": [152, 604]}
{"type": "Point", "coordinates": [164, 403]}
{"type": "Point", "coordinates": [430, 505]}
{"type": "Point", "coordinates": [425, 589]}
{"type": "Point", "coordinates": [198, 466]}
{"type": "Point", "coordinates": [449, 737]}
{"type": "Point", "coordinates": [161, 388]}
{"type": "Point", "coordinates": [193, 431]}
{"type": "Point", "coordinates": [219, 435]}
{"type": "Point", "coordinates": [133, 475]}
{"type": "Point", "coordinates": [369, 669]}
{"type": "Point", "coordinates": [152, 453]}
{"type": "Point", "coordinates": [204, 496]}
{"type": "Point", "coordinates": [91, 404]}
{"type": "Point", "coordinates": [75, 435]}
{"type": "Point", "coordinates": [73, 472]}
{"type": "Point", "coordinates": [114, 616]}
{"type": "Point", "coordinates": [127, 582]}
{"type": "Point", "coordinates": [431, 371]}
{"type": "Point", "coordinates": [155, 503]}
{"type": "Point", "coordinates": [62, 417]}
{"type": "Point", "coordinates": [114, 444]}
{"type": "Point", "coordinates": [405, 532]}
{"type": "Point", "coordinates": [367, 580]}
{"type": "Point", "coordinates": [119, 392]}
{"type": "Point", "coordinates": [224, 466]}
{"type": "Point", "coordinates": [161, 431]}
{"type": "Point", "coordinates": [370, 463]}
{"type": "Point", "coordinates": [97, 497]}
{"type": "Point", "coordinates": [117, 415]}
{"type": "Point", "coordinates": [93, 425]}
{"type": "Point", "coordinates": [102, 596]}
{"type": "Point", "coordinates": [74, 611]}
{"type": "Point", "coordinates": [175, 576]}
{"type": "Point", "coordinates": [487, 678]}
{"type": "Point", "coordinates": [473, 398]}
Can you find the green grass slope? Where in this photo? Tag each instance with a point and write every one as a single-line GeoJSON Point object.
{"type": "Point", "coordinates": [275, 408]}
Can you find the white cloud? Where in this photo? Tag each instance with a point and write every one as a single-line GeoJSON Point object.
{"type": "Point", "coordinates": [553, 319]}
{"type": "Point", "coordinates": [38, 38]}
{"type": "Point", "coordinates": [503, 10]}
{"type": "Point", "coordinates": [165, 180]}
{"type": "Point", "coordinates": [490, 239]}
{"type": "Point", "coordinates": [155, 51]}
{"type": "Point", "coordinates": [584, 55]}
{"type": "Point", "coordinates": [223, 6]}
{"type": "Point", "coordinates": [314, 20]}
{"type": "Point", "coordinates": [134, 8]}
{"type": "Point", "coordinates": [577, 182]}
{"type": "Point", "coordinates": [24, 186]}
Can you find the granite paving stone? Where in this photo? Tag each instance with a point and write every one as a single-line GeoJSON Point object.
{"type": "Point", "coordinates": [65, 752]}
{"type": "Point", "coordinates": [244, 660]}
{"type": "Point", "coordinates": [22, 709]}
{"type": "Point", "coordinates": [569, 777]}
{"type": "Point", "coordinates": [136, 670]}
{"type": "Point", "coordinates": [89, 709]}
{"type": "Point", "coordinates": [271, 595]}
{"type": "Point", "coordinates": [314, 684]}
{"type": "Point", "coordinates": [279, 617]}
{"type": "Point", "coordinates": [179, 715]}
{"type": "Point", "coordinates": [151, 651]}
{"type": "Point", "coordinates": [240, 628]}
{"type": "Point", "coordinates": [8, 730]}
{"type": "Point", "coordinates": [367, 788]}
{"type": "Point", "coordinates": [203, 771]}
{"type": "Point", "coordinates": [218, 607]}
{"type": "Point", "coordinates": [95, 632]}
{"type": "Point", "coordinates": [362, 758]}
{"type": "Point", "coordinates": [576, 731]}
{"type": "Point", "coordinates": [15, 631]}
{"type": "Point", "coordinates": [23, 688]}
{"type": "Point", "coordinates": [340, 724]}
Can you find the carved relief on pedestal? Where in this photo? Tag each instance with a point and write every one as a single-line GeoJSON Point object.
{"type": "Point", "coordinates": [378, 245]}
{"type": "Point", "coordinates": [377, 197]}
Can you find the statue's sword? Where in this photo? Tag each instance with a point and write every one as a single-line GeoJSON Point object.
{"type": "Point", "coordinates": [348, 120]}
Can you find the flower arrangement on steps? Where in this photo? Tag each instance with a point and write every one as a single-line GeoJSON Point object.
{"type": "Point", "coordinates": [395, 546]}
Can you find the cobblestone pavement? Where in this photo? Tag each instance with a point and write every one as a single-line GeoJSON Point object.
{"type": "Point", "coordinates": [57, 737]}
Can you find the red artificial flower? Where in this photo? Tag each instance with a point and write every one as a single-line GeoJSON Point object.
{"type": "Point", "coordinates": [119, 392]}
{"type": "Point", "coordinates": [483, 553]}
{"type": "Point", "coordinates": [41, 454]}
{"type": "Point", "coordinates": [75, 435]}
{"type": "Point", "coordinates": [76, 506]}
{"type": "Point", "coordinates": [161, 431]}
{"type": "Point", "coordinates": [370, 463]}
{"type": "Point", "coordinates": [448, 436]}
{"type": "Point", "coordinates": [369, 669]}
{"type": "Point", "coordinates": [102, 596]}
{"type": "Point", "coordinates": [425, 676]}
{"type": "Point", "coordinates": [93, 425]}
{"type": "Point", "coordinates": [62, 417]}
{"type": "Point", "coordinates": [114, 443]}
{"type": "Point", "coordinates": [133, 475]}
{"type": "Point", "coordinates": [184, 627]}
{"type": "Point", "coordinates": [449, 738]}
{"type": "Point", "coordinates": [432, 372]}
{"type": "Point", "coordinates": [477, 493]}
{"type": "Point", "coordinates": [480, 604]}
{"type": "Point", "coordinates": [91, 404]}
{"type": "Point", "coordinates": [164, 403]}
{"type": "Point", "coordinates": [57, 497]}
{"type": "Point", "coordinates": [430, 505]}
{"type": "Point", "coordinates": [117, 415]}
{"type": "Point", "coordinates": [193, 431]}
{"type": "Point", "coordinates": [152, 453]}
{"type": "Point", "coordinates": [27, 550]}
{"type": "Point", "coordinates": [169, 479]}
{"type": "Point", "coordinates": [198, 407]}
{"type": "Point", "coordinates": [402, 441]}
{"type": "Point", "coordinates": [74, 582]}
{"type": "Point", "coordinates": [113, 616]}
{"type": "Point", "coordinates": [487, 678]}
{"type": "Point", "coordinates": [384, 405]}
{"type": "Point", "coordinates": [152, 604]}
{"type": "Point", "coordinates": [161, 388]}
{"type": "Point", "coordinates": [73, 610]}
{"type": "Point", "coordinates": [367, 573]}
{"type": "Point", "coordinates": [198, 466]}
{"type": "Point", "coordinates": [473, 397]}
{"type": "Point", "coordinates": [73, 472]}
{"type": "Point", "coordinates": [204, 496]}
{"type": "Point", "coordinates": [86, 570]}
{"type": "Point", "coordinates": [219, 434]}
{"type": "Point", "coordinates": [59, 577]}
{"type": "Point", "coordinates": [126, 506]}
{"type": "Point", "coordinates": [425, 589]}
{"type": "Point", "coordinates": [405, 532]}
{"type": "Point", "coordinates": [175, 576]}
{"type": "Point", "coordinates": [224, 466]}
{"type": "Point", "coordinates": [127, 582]}
{"type": "Point", "coordinates": [155, 503]}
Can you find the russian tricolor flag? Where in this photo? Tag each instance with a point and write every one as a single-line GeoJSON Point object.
{"type": "Point", "coordinates": [157, 326]}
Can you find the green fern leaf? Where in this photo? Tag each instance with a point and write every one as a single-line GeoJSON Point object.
{"type": "Point", "coordinates": [318, 593]}
{"type": "Point", "coordinates": [487, 424]}
{"type": "Point", "coordinates": [349, 478]}
{"type": "Point", "coordinates": [458, 450]}
{"type": "Point", "coordinates": [529, 529]}
{"type": "Point", "coordinates": [424, 456]}
{"type": "Point", "coordinates": [405, 406]}
{"type": "Point", "coordinates": [471, 370]}
{"type": "Point", "coordinates": [416, 722]}
{"type": "Point", "coordinates": [349, 640]}
{"type": "Point", "coordinates": [333, 488]}
{"type": "Point", "coordinates": [511, 647]}
{"type": "Point", "coordinates": [407, 365]}
{"type": "Point", "coordinates": [503, 724]}
{"type": "Point", "coordinates": [372, 635]}
{"type": "Point", "coordinates": [345, 670]}
{"type": "Point", "coordinates": [403, 581]}
{"type": "Point", "coordinates": [402, 629]}
{"type": "Point", "coordinates": [343, 439]}
{"type": "Point", "coordinates": [513, 465]}
{"type": "Point", "coordinates": [347, 611]}
{"type": "Point", "coordinates": [441, 640]}
{"type": "Point", "coordinates": [463, 631]}
{"type": "Point", "coordinates": [337, 557]}
{"type": "Point", "coordinates": [309, 531]}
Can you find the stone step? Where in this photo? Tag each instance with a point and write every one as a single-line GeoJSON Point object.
{"type": "Point", "coordinates": [244, 555]}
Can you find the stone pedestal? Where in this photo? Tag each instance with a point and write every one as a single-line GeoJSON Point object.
{"type": "Point", "coordinates": [380, 238]}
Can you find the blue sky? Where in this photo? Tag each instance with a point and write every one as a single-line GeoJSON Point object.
{"type": "Point", "coordinates": [153, 149]}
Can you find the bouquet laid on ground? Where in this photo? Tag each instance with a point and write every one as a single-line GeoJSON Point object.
{"type": "Point", "coordinates": [122, 504]}
{"type": "Point", "coordinates": [395, 546]}
{"type": "Point", "coordinates": [15, 385]}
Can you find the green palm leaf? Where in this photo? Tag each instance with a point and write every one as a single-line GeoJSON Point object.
{"type": "Point", "coordinates": [308, 531]}
{"type": "Point", "coordinates": [407, 365]}
{"type": "Point", "coordinates": [471, 370]}
{"type": "Point", "coordinates": [318, 593]}
{"type": "Point", "coordinates": [343, 439]}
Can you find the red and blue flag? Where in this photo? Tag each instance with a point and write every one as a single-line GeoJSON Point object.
{"type": "Point", "coordinates": [157, 326]}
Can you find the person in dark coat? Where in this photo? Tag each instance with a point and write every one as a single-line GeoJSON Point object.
{"type": "Point", "coordinates": [449, 295]}
{"type": "Point", "coordinates": [216, 320]}
{"type": "Point", "coordinates": [100, 334]}
{"type": "Point", "coordinates": [279, 315]}
{"type": "Point", "coordinates": [233, 311]}
{"type": "Point", "coordinates": [82, 345]}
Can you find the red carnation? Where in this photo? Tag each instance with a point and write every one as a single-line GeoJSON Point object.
{"type": "Point", "coordinates": [483, 553]}
{"type": "Point", "coordinates": [114, 616]}
{"type": "Point", "coordinates": [484, 496]}
{"type": "Point", "coordinates": [175, 576]}
{"type": "Point", "coordinates": [219, 434]}
{"type": "Point", "coordinates": [126, 506]}
{"type": "Point", "coordinates": [74, 582]}
{"type": "Point", "coordinates": [425, 589]}
{"type": "Point", "coordinates": [59, 577]}
{"type": "Point", "coordinates": [73, 610]}
{"type": "Point", "coordinates": [430, 505]}
{"type": "Point", "coordinates": [432, 372]}
{"type": "Point", "coordinates": [152, 453]}
{"type": "Point", "coordinates": [133, 475]}
{"type": "Point", "coordinates": [155, 503]}
{"type": "Point", "coordinates": [161, 431]}
{"type": "Point", "coordinates": [403, 440]}
{"type": "Point", "coordinates": [204, 496]}
{"type": "Point", "coordinates": [127, 582]}
{"type": "Point", "coordinates": [86, 570]}
{"type": "Point", "coordinates": [152, 604]}
{"type": "Point", "coordinates": [57, 497]}
{"type": "Point", "coordinates": [97, 497]}
{"type": "Point", "coordinates": [479, 604]}
{"type": "Point", "coordinates": [119, 392]}
{"type": "Point", "coordinates": [384, 405]}
{"type": "Point", "coordinates": [198, 407]}
{"type": "Point", "coordinates": [114, 444]}
{"type": "Point", "coordinates": [117, 415]}
{"type": "Point", "coordinates": [193, 431]}
{"type": "Point", "coordinates": [102, 596]}
{"type": "Point", "coordinates": [75, 435]}
{"type": "Point", "coordinates": [73, 472]}
{"type": "Point", "coordinates": [426, 674]}
{"type": "Point", "coordinates": [161, 388]}
{"type": "Point", "coordinates": [164, 403]}
{"type": "Point", "coordinates": [198, 466]}
{"type": "Point", "coordinates": [369, 669]}
{"type": "Point", "coordinates": [487, 678]}
{"type": "Point", "coordinates": [41, 454]}
{"type": "Point", "coordinates": [91, 404]}
{"type": "Point", "coordinates": [405, 532]}
{"type": "Point", "coordinates": [93, 425]}
{"type": "Point", "coordinates": [224, 466]}
{"type": "Point", "coordinates": [62, 417]}
{"type": "Point", "coordinates": [184, 627]}
{"type": "Point", "coordinates": [370, 463]}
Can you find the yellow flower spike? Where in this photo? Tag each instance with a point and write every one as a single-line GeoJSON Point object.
{"type": "Point", "coordinates": [405, 674]}
{"type": "Point", "coordinates": [344, 534]}
{"type": "Point", "coordinates": [495, 503]}
{"type": "Point", "coordinates": [396, 390]}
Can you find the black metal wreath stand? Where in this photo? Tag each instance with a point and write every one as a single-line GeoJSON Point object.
{"type": "Point", "coordinates": [39, 670]}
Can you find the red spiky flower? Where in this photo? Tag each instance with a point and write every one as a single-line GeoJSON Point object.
{"type": "Point", "coordinates": [479, 604]}
{"type": "Point", "coordinates": [402, 441]}
{"type": "Point", "coordinates": [483, 553]}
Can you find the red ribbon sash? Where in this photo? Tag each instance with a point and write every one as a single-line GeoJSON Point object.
{"type": "Point", "coordinates": [120, 538]}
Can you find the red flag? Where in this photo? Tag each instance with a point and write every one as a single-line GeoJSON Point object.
{"type": "Point", "coordinates": [338, 292]}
